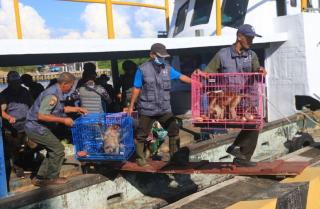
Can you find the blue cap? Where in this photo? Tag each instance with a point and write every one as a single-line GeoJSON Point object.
{"type": "Point", "coordinates": [247, 30]}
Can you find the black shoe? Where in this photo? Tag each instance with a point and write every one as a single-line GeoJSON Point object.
{"type": "Point", "coordinates": [243, 163]}
{"type": "Point", "coordinates": [181, 157]}
{"type": "Point", "coordinates": [235, 151]}
{"type": "Point", "coordinates": [156, 157]}
{"type": "Point", "coordinates": [19, 172]}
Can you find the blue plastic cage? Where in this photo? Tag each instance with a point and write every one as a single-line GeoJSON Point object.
{"type": "Point", "coordinates": [87, 134]}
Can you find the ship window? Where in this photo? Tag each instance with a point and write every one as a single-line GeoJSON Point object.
{"type": "Point", "coordinates": [202, 11]}
{"type": "Point", "coordinates": [181, 18]}
{"type": "Point", "coordinates": [293, 3]}
{"type": "Point", "coordinates": [234, 12]}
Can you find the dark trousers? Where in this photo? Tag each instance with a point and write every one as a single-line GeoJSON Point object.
{"type": "Point", "coordinates": [167, 121]}
{"type": "Point", "coordinates": [14, 145]}
{"type": "Point", "coordinates": [247, 141]}
{"type": "Point", "coordinates": [6, 160]}
{"type": "Point", "coordinates": [51, 165]}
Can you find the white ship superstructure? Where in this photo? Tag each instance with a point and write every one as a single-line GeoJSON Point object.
{"type": "Point", "coordinates": [289, 48]}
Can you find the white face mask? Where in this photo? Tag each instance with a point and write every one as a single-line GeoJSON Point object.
{"type": "Point", "coordinates": [159, 60]}
{"type": "Point", "coordinates": [91, 84]}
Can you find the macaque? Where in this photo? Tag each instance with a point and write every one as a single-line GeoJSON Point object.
{"type": "Point", "coordinates": [111, 139]}
{"type": "Point", "coordinates": [219, 101]}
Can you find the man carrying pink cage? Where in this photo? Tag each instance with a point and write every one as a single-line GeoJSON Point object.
{"type": "Point", "coordinates": [239, 58]}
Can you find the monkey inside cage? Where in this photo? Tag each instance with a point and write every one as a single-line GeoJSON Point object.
{"type": "Point", "coordinates": [103, 137]}
{"type": "Point", "coordinates": [228, 100]}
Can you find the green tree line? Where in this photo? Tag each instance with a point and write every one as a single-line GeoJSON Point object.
{"type": "Point", "coordinates": [20, 69]}
{"type": "Point", "coordinates": [101, 65]}
{"type": "Point", "coordinates": [107, 64]}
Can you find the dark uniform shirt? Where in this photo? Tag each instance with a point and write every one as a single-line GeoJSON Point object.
{"type": "Point", "coordinates": [228, 60]}
{"type": "Point", "coordinates": [35, 89]}
{"type": "Point", "coordinates": [16, 102]}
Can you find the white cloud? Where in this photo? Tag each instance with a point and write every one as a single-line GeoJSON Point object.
{"type": "Point", "coordinates": [150, 21]}
{"type": "Point", "coordinates": [128, 21]}
{"type": "Point", "coordinates": [32, 24]}
{"type": "Point", "coordinates": [72, 35]}
{"type": "Point", "coordinates": [94, 17]}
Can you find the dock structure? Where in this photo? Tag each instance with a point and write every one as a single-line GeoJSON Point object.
{"type": "Point", "coordinates": [104, 186]}
{"type": "Point", "coordinates": [51, 75]}
{"type": "Point", "coordinates": [136, 190]}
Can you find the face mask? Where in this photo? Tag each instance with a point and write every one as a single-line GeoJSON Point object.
{"type": "Point", "coordinates": [90, 84]}
{"type": "Point", "coordinates": [159, 60]}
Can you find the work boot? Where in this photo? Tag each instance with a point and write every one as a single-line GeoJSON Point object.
{"type": "Point", "coordinates": [19, 171]}
{"type": "Point", "coordinates": [59, 180]}
{"type": "Point", "coordinates": [243, 163]}
{"type": "Point", "coordinates": [140, 159]}
{"type": "Point", "coordinates": [46, 182]}
{"type": "Point", "coordinates": [174, 145]}
{"type": "Point", "coordinates": [177, 156]}
{"type": "Point", "coordinates": [37, 181]}
{"type": "Point", "coordinates": [235, 151]}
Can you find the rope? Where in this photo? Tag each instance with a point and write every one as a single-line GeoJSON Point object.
{"type": "Point", "coordinates": [276, 109]}
{"type": "Point", "coordinates": [307, 116]}
{"type": "Point", "coordinates": [301, 112]}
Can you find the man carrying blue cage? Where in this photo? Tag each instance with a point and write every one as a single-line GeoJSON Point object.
{"type": "Point", "coordinates": [46, 113]}
{"type": "Point", "coordinates": [152, 85]}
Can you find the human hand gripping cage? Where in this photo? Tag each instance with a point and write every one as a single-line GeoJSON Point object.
{"type": "Point", "coordinates": [228, 100]}
{"type": "Point", "coordinates": [103, 137]}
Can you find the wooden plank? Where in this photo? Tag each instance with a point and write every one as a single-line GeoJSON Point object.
{"type": "Point", "coordinates": [197, 195]}
{"type": "Point", "coordinates": [277, 167]}
{"type": "Point", "coordinates": [43, 193]}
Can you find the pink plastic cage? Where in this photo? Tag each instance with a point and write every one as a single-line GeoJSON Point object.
{"type": "Point", "coordinates": [228, 100]}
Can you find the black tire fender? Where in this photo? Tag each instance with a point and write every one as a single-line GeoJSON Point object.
{"type": "Point", "coordinates": [300, 140]}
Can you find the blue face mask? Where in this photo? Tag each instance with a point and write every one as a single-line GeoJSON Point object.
{"type": "Point", "coordinates": [159, 60]}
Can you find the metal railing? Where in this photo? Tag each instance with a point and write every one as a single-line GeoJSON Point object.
{"type": "Point", "coordinates": [109, 14]}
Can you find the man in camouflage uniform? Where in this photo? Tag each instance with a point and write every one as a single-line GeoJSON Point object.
{"type": "Point", "coordinates": [46, 113]}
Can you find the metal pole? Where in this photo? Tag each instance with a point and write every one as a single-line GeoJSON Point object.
{"type": "Point", "coordinates": [137, 4]}
{"type": "Point", "coordinates": [125, 3]}
{"type": "Point", "coordinates": [109, 19]}
{"type": "Point", "coordinates": [167, 14]}
{"type": "Point", "coordinates": [17, 15]}
{"type": "Point", "coordinates": [218, 17]}
{"type": "Point", "coordinates": [304, 5]}
{"type": "Point", "coordinates": [3, 178]}
{"type": "Point", "coordinates": [115, 75]}
{"type": "Point", "coordinates": [109, 14]}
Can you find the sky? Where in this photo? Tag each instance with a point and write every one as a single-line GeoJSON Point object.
{"type": "Point", "coordinates": [54, 19]}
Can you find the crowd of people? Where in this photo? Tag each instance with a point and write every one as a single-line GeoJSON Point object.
{"type": "Point", "coordinates": [36, 118]}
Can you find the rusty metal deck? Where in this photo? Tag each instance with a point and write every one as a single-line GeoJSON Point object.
{"type": "Point", "coordinates": [277, 167]}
